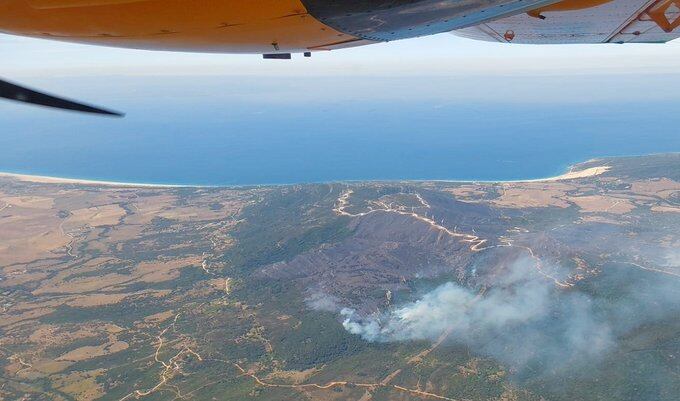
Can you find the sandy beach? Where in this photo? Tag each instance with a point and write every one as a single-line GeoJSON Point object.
{"type": "Point", "coordinates": [572, 175]}
{"type": "Point", "coordinates": [41, 179]}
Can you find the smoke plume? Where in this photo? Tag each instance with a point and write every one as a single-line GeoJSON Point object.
{"type": "Point", "coordinates": [321, 301]}
{"type": "Point", "coordinates": [522, 321]}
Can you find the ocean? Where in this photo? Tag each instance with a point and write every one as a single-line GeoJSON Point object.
{"type": "Point", "coordinates": [250, 130]}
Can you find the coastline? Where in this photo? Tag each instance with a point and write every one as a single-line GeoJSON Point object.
{"type": "Point", "coordinates": [43, 179]}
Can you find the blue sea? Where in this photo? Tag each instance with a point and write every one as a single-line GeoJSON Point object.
{"type": "Point", "coordinates": [278, 130]}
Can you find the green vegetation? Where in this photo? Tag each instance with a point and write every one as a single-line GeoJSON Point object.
{"type": "Point", "coordinates": [240, 321]}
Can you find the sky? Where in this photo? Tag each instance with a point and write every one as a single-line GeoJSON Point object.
{"type": "Point", "coordinates": [438, 106]}
{"type": "Point", "coordinates": [437, 55]}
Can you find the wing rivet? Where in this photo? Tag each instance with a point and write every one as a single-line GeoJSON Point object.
{"type": "Point", "coordinates": [509, 35]}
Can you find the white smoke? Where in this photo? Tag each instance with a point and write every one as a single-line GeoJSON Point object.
{"type": "Point", "coordinates": [318, 300]}
{"type": "Point", "coordinates": [521, 320]}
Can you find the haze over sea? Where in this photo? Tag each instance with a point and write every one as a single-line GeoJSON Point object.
{"type": "Point", "coordinates": [214, 130]}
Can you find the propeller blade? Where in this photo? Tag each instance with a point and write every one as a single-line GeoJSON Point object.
{"type": "Point", "coordinates": [19, 93]}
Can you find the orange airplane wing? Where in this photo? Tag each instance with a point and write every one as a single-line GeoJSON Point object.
{"type": "Point", "coordinates": [586, 21]}
{"type": "Point", "coordinates": [277, 28]}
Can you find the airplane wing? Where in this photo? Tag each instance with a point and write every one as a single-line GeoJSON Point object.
{"type": "Point", "coordinates": [277, 28]}
{"type": "Point", "coordinates": [586, 21]}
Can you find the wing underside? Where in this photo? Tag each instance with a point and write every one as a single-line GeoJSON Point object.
{"type": "Point", "coordinates": [600, 21]}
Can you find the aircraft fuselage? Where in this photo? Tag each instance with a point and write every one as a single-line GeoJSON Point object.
{"type": "Point", "coordinates": [246, 26]}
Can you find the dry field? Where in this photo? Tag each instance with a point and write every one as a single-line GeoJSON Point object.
{"type": "Point", "coordinates": [123, 292]}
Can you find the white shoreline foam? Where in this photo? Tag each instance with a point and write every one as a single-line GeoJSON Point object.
{"type": "Point", "coordinates": [42, 179]}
